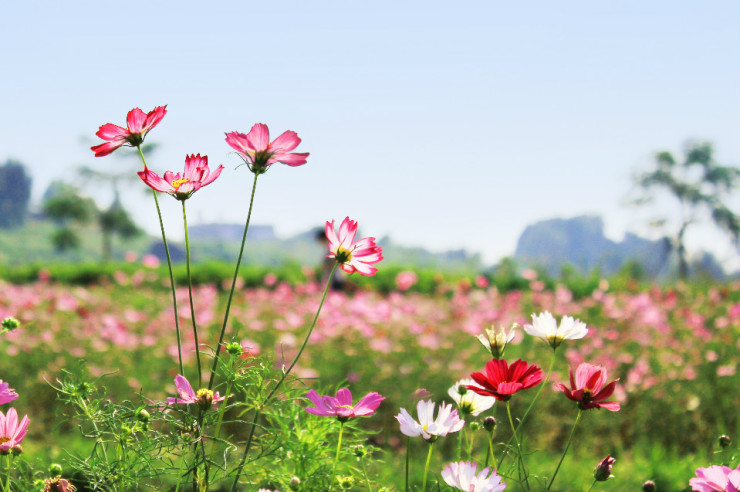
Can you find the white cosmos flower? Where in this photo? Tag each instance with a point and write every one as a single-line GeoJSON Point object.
{"type": "Point", "coordinates": [462, 476]}
{"type": "Point", "coordinates": [428, 427]}
{"type": "Point", "coordinates": [468, 401]}
{"type": "Point", "coordinates": [544, 326]}
{"type": "Point", "coordinates": [496, 339]}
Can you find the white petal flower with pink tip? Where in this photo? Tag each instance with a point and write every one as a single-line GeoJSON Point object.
{"type": "Point", "coordinates": [352, 256]}
{"type": "Point", "coordinates": [428, 427]}
{"type": "Point", "coordinates": [462, 476]}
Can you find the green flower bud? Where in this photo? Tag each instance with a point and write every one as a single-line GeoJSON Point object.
{"type": "Point", "coordinates": [474, 426]}
{"type": "Point", "coordinates": [10, 324]}
{"type": "Point", "coordinates": [359, 450]}
{"type": "Point", "coordinates": [489, 423]}
{"type": "Point", "coordinates": [234, 349]}
{"type": "Point", "coordinates": [143, 416]}
{"type": "Point", "coordinates": [346, 482]}
{"type": "Point", "coordinates": [724, 440]}
{"type": "Point", "coordinates": [55, 469]}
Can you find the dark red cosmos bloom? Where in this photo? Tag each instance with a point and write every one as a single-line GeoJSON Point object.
{"type": "Point", "coordinates": [501, 380]}
{"type": "Point", "coordinates": [587, 388]}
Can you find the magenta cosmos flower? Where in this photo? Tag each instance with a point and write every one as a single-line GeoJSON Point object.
{"type": "Point", "coordinates": [259, 153]}
{"type": "Point", "coordinates": [12, 432]}
{"type": "Point", "coordinates": [502, 381]}
{"type": "Point", "coordinates": [195, 176]}
{"type": "Point", "coordinates": [341, 407]}
{"type": "Point", "coordinates": [463, 476]}
{"type": "Point", "coordinates": [587, 388]}
{"type": "Point", "coordinates": [7, 394]}
{"type": "Point", "coordinates": [352, 256]}
{"type": "Point", "coordinates": [138, 125]}
{"type": "Point", "coordinates": [204, 397]}
{"type": "Point", "coordinates": [716, 478]}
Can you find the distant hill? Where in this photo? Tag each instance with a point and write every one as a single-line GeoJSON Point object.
{"type": "Point", "coordinates": [580, 242]}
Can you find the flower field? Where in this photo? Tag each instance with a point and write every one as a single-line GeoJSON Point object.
{"type": "Point", "coordinates": [674, 350]}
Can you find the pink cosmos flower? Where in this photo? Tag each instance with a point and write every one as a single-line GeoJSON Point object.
{"type": "Point", "coordinates": [204, 397]}
{"type": "Point", "coordinates": [259, 153]}
{"type": "Point", "coordinates": [428, 427]}
{"type": "Point", "coordinates": [716, 478]}
{"type": "Point", "coordinates": [137, 126]}
{"type": "Point", "coordinates": [502, 380]}
{"type": "Point", "coordinates": [195, 176]}
{"type": "Point", "coordinates": [11, 432]}
{"type": "Point", "coordinates": [352, 256]}
{"type": "Point", "coordinates": [587, 388]}
{"type": "Point", "coordinates": [462, 476]}
{"type": "Point", "coordinates": [341, 407]}
{"type": "Point", "coordinates": [7, 394]}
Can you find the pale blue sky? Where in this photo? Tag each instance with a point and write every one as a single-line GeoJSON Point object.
{"type": "Point", "coordinates": [439, 125]}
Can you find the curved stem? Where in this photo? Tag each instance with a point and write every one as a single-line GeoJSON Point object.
{"type": "Point", "coordinates": [592, 486]}
{"type": "Point", "coordinates": [169, 266]}
{"type": "Point", "coordinates": [522, 468]}
{"type": "Point", "coordinates": [531, 403]}
{"type": "Point", "coordinates": [565, 451]}
{"type": "Point", "coordinates": [190, 292]}
{"type": "Point", "coordinates": [364, 474]}
{"type": "Point", "coordinates": [490, 453]}
{"type": "Point", "coordinates": [258, 411]}
{"type": "Point", "coordinates": [214, 366]}
{"type": "Point", "coordinates": [336, 457]}
{"type": "Point", "coordinates": [408, 453]}
{"type": "Point", "coordinates": [426, 468]}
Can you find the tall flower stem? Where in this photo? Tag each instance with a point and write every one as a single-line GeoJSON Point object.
{"type": "Point", "coordinates": [169, 266]}
{"type": "Point", "coordinates": [339, 447]}
{"type": "Point", "coordinates": [490, 453]}
{"type": "Point", "coordinates": [592, 486]}
{"type": "Point", "coordinates": [565, 451]}
{"type": "Point", "coordinates": [408, 454]}
{"type": "Point", "coordinates": [190, 291]}
{"type": "Point", "coordinates": [531, 404]}
{"type": "Point", "coordinates": [7, 479]}
{"type": "Point", "coordinates": [522, 468]}
{"type": "Point", "coordinates": [364, 474]}
{"type": "Point", "coordinates": [233, 285]}
{"type": "Point", "coordinates": [258, 410]}
{"type": "Point", "coordinates": [426, 467]}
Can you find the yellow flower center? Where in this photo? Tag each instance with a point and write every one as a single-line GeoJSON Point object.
{"type": "Point", "coordinates": [204, 392]}
{"type": "Point", "coordinates": [346, 406]}
{"type": "Point", "coordinates": [343, 255]}
{"type": "Point", "coordinates": [179, 182]}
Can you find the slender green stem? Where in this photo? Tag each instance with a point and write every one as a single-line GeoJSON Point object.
{"type": "Point", "coordinates": [7, 479]}
{"type": "Point", "coordinates": [221, 411]}
{"type": "Point", "coordinates": [169, 266]}
{"type": "Point", "coordinates": [190, 291]}
{"type": "Point", "coordinates": [364, 474]}
{"type": "Point", "coordinates": [336, 457]}
{"type": "Point", "coordinates": [592, 486]}
{"type": "Point", "coordinates": [426, 467]}
{"type": "Point", "coordinates": [257, 411]}
{"type": "Point", "coordinates": [565, 451]}
{"type": "Point", "coordinates": [408, 453]}
{"type": "Point", "coordinates": [214, 366]}
{"type": "Point", "coordinates": [460, 444]}
{"type": "Point", "coordinates": [531, 404]}
{"type": "Point", "coordinates": [522, 468]}
{"type": "Point", "coordinates": [490, 452]}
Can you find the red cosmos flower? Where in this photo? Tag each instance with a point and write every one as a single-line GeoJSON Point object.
{"type": "Point", "coordinates": [196, 176]}
{"type": "Point", "coordinates": [502, 380]}
{"type": "Point", "coordinates": [587, 388]}
{"type": "Point", "coordinates": [352, 256]}
{"type": "Point", "coordinates": [137, 126]}
{"type": "Point", "coordinates": [259, 153]}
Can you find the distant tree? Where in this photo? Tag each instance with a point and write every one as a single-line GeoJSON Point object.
{"type": "Point", "coordinates": [67, 207]}
{"type": "Point", "coordinates": [115, 221]}
{"type": "Point", "coordinates": [700, 186]}
{"type": "Point", "coordinates": [15, 193]}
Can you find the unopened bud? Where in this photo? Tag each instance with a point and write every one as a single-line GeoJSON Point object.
{"type": "Point", "coordinates": [359, 450]}
{"type": "Point", "coordinates": [489, 423]}
{"type": "Point", "coordinates": [234, 349]}
{"type": "Point", "coordinates": [724, 440]}
{"type": "Point", "coordinates": [649, 486]}
{"type": "Point", "coordinates": [205, 398]}
{"type": "Point", "coordinates": [10, 324]}
{"type": "Point", "coordinates": [346, 482]}
{"type": "Point", "coordinates": [55, 469]}
{"type": "Point", "coordinates": [474, 426]}
{"type": "Point", "coordinates": [603, 470]}
{"type": "Point", "coordinates": [143, 416]}
{"type": "Point", "coordinates": [16, 450]}
{"type": "Point", "coordinates": [294, 483]}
